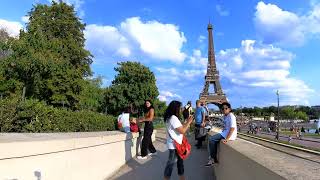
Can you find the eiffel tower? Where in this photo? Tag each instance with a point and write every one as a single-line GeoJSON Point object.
{"type": "Point", "coordinates": [212, 77]}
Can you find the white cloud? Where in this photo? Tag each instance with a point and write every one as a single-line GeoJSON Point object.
{"type": "Point", "coordinates": [276, 25]}
{"type": "Point", "coordinates": [25, 19]}
{"type": "Point", "coordinates": [311, 21]}
{"type": "Point", "coordinates": [106, 40]}
{"type": "Point", "coordinates": [262, 68]}
{"type": "Point", "coordinates": [167, 95]}
{"type": "Point", "coordinates": [197, 60]}
{"type": "Point", "coordinates": [201, 38]}
{"type": "Point", "coordinates": [170, 71]}
{"type": "Point", "coordinates": [252, 55]}
{"type": "Point", "coordinates": [135, 38]}
{"type": "Point", "coordinates": [180, 75]}
{"type": "Point", "coordinates": [221, 11]}
{"type": "Point", "coordinates": [13, 28]}
{"type": "Point", "coordinates": [158, 40]}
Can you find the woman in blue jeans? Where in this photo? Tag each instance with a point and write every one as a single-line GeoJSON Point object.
{"type": "Point", "coordinates": [175, 131]}
{"type": "Point", "coordinates": [229, 133]}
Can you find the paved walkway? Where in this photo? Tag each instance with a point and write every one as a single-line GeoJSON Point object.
{"type": "Point", "coordinates": [153, 167]}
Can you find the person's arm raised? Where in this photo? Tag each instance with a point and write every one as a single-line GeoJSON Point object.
{"type": "Point", "coordinates": [183, 129]}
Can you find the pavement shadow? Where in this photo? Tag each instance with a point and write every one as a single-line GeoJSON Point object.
{"type": "Point", "coordinates": [128, 143]}
{"type": "Point", "coordinates": [153, 167]}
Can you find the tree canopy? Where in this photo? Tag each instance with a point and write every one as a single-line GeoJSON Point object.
{"type": "Point", "coordinates": [133, 84]}
{"type": "Point", "coordinates": [286, 112]}
{"type": "Point", "coordinates": [49, 57]}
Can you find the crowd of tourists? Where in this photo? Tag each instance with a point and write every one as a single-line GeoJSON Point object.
{"type": "Point", "coordinates": [177, 131]}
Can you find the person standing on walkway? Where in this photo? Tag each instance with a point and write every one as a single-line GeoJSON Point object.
{"type": "Point", "coordinates": [205, 106]}
{"type": "Point", "coordinates": [187, 111]}
{"type": "Point", "coordinates": [175, 131]}
{"type": "Point", "coordinates": [199, 123]}
{"type": "Point", "coordinates": [147, 133]}
{"type": "Point", "coordinates": [229, 133]}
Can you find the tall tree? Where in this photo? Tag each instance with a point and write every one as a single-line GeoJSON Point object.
{"type": "Point", "coordinates": [7, 86]}
{"type": "Point", "coordinates": [49, 58]}
{"type": "Point", "coordinates": [92, 95]}
{"type": "Point", "coordinates": [4, 37]}
{"type": "Point", "coordinates": [133, 84]}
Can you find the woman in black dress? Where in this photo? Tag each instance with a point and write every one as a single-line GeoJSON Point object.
{"type": "Point", "coordinates": [148, 130]}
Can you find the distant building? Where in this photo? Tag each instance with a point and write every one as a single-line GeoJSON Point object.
{"type": "Point", "coordinates": [271, 118]}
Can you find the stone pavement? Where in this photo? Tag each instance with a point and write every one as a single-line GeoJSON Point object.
{"type": "Point", "coordinates": [153, 167]}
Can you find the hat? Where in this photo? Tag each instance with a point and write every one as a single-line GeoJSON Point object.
{"type": "Point", "coordinates": [189, 102]}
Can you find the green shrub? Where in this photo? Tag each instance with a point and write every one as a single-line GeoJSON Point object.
{"type": "Point", "coordinates": [34, 116]}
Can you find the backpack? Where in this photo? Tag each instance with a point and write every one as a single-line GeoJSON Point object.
{"type": "Point", "coordinates": [185, 112]}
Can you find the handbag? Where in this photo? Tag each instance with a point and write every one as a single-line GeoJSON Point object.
{"type": "Point", "coordinates": [200, 132]}
{"type": "Point", "coordinates": [183, 149]}
{"type": "Point", "coordinates": [134, 127]}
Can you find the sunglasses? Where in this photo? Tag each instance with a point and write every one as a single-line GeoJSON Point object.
{"type": "Point", "coordinates": [225, 108]}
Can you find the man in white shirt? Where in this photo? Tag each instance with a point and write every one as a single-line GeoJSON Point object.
{"type": "Point", "coordinates": [123, 119]}
{"type": "Point", "coordinates": [229, 133]}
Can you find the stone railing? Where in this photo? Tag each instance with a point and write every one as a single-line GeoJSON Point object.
{"type": "Point", "coordinates": [65, 156]}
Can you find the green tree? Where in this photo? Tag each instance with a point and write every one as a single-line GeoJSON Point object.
{"type": "Point", "coordinates": [10, 86]}
{"type": "Point", "coordinates": [160, 106]}
{"type": "Point", "coordinates": [288, 112]}
{"type": "Point", "coordinates": [4, 37]}
{"type": "Point", "coordinates": [133, 84]}
{"type": "Point", "coordinates": [257, 111]}
{"type": "Point", "coordinates": [49, 58]}
{"type": "Point", "coordinates": [301, 115]}
{"type": "Point", "coordinates": [92, 95]}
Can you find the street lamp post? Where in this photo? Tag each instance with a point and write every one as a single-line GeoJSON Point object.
{"type": "Point", "coordinates": [278, 123]}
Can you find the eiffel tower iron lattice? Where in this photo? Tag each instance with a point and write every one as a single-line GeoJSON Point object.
{"type": "Point", "coordinates": [212, 77]}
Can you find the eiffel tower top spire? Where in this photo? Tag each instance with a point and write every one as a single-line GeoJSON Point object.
{"type": "Point", "coordinates": [212, 76]}
{"type": "Point", "coordinates": [211, 56]}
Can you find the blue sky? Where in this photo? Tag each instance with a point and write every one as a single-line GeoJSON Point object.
{"type": "Point", "coordinates": [261, 46]}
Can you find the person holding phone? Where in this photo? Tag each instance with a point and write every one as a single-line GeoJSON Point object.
{"type": "Point", "coordinates": [175, 130]}
{"type": "Point", "coordinates": [187, 111]}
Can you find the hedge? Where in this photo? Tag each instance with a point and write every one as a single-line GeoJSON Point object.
{"type": "Point", "coordinates": [34, 116]}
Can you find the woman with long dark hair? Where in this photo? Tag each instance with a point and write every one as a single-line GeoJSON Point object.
{"type": "Point", "coordinates": [175, 131]}
{"type": "Point", "coordinates": [148, 130]}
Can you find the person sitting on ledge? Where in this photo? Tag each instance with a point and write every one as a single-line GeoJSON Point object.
{"type": "Point", "coordinates": [228, 133]}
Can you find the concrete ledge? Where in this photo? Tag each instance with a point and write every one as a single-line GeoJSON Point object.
{"type": "Point", "coordinates": [86, 155]}
{"type": "Point", "coordinates": [242, 159]}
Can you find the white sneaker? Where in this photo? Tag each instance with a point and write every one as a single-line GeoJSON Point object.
{"type": "Point", "coordinates": [210, 163]}
{"type": "Point", "coordinates": [152, 154]}
{"type": "Point", "coordinates": [142, 157]}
